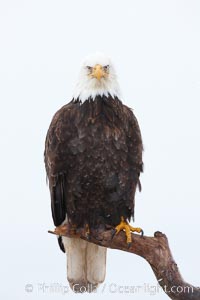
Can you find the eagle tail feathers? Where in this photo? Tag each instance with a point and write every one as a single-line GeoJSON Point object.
{"type": "Point", "coordinates": [86, 264]}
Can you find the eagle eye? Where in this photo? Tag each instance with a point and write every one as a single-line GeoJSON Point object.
{"type": "Point", "coordinates": [89, 68]}
{"type": "Point", "coordinates": [106, 68]}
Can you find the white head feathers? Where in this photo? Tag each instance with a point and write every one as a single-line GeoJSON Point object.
{"type": "Point", "coordinates": [97, 77]}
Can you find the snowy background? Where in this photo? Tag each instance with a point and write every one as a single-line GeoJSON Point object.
{"type": "Point", "coordinates": [155, 46]}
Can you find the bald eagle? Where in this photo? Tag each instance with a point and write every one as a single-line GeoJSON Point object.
{"type": "Point", "coordinates": [93, 160]}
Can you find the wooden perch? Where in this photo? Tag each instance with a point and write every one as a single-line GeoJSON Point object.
{"type": "Point", "coordinates": [155, 250]}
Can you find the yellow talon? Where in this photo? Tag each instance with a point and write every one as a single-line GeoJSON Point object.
{"type": "Point", "coordinates": [66, 229]}
{"type": "Point", "coordinates": [128, 229]}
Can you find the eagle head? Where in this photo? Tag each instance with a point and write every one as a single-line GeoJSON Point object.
{"type": "Point", "coordinates": [97, 77]}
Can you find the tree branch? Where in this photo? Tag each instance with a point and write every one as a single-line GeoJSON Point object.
{"type": "Point", "coordinates": [155, 250]}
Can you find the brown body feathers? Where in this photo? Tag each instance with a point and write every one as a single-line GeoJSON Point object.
{"type": "Point", "coordinates": [93, 159]}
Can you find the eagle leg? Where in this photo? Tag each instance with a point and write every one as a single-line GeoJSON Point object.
{"type": "Point", "coordinates": [128, 229]}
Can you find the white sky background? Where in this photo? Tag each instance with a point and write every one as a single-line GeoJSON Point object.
{"type": "Point", "coordinates": [155, 46]}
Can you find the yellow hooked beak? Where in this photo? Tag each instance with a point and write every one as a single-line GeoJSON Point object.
{"type": "Point", "coordinates": [98, 72]}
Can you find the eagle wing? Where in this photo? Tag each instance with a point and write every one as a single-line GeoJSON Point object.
{"type": "Point", "coordinates": [60, 133]}
{"type": "Point", "coordinates": [135, 150]}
